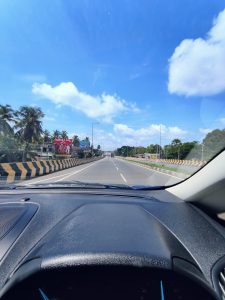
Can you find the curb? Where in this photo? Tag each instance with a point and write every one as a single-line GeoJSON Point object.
{"type": "Point", "coordinates": [12, 172]}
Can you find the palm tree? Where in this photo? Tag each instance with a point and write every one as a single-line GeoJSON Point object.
{"type": "Point", "coordinates": [56, 134]}
{"type": "Point", "coordinates": [6, 116]}
{"type": "Point", "coordinates": [64, 134]}
{"type": "Point", "coordinates": [29, 123]}
{"type": "Point", "coordinates": [46, 136]}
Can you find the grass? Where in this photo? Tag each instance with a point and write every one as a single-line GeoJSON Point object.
{"type": "Point", "coordinates": [163, 167]}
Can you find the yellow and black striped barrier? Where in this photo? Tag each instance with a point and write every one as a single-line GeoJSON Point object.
{"type": "Point", "coordinates": [17, 171]}
{"type": "Point", "coordinates": [195, 163]}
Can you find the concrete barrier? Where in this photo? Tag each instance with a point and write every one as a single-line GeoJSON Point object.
{"type": "Point", "coordinates": [185, 162]}
{"type": "Point", "coordinates": [17, 171]}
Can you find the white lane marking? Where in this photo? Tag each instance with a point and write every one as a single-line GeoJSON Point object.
{"type": "Point", "coordinates": [71, 174]}
{"type": "Point", "coordinates": [50, 178]}
{"type": "Point", "coordinates": [137, 164]}
{"type": "Point", "coordinates": [117, 168]}
{"type": "Point", "coordinates": [124, 179]}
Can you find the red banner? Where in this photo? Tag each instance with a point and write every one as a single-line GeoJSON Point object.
{"type": "Point", "coordinates": [63, 146]}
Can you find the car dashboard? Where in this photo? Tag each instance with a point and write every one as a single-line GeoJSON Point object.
{"type": "Point", "coordinates": [77, 244]}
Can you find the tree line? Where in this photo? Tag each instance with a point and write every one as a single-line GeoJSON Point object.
{"type": "Point", "coordinates": [213, 143]}
{"type": "Point", "coordinates": [22, 129]}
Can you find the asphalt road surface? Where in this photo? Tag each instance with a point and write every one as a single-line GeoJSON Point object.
{"type": "Point", "coordinates": [109, 171]}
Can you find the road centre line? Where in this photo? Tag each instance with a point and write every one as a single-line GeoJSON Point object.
{"type": "Point", "coordinates": [124, 179]}
{"type": "Point", "coordinates": [137, 164]}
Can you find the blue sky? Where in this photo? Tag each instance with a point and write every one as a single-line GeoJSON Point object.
{"type": "Point", "coordinates": [132, 66]}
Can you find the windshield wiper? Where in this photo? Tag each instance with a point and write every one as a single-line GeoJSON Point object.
{"type": "Point", "coordinates": [73, 184]}
{"type": "Point", "coordinates": [7, 186]}
{"type": "Point", "coordinates": [147, 187]}
{"type": "Point", "coordinates": [77, 184]}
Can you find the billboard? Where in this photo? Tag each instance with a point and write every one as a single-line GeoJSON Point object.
{"type": "Point", "coordinates": [84, 144]}
{"type": "Point", "coordinates": [63, 146]}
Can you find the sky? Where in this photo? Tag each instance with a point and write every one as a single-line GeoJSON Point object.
{"type": "Point", "coordinates": [130, 67]}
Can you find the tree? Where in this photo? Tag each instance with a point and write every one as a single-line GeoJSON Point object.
{"type": "Point", "coordinates": [87, 140]}
{"type": "Point", "coordinates": [99, 147]}
{"type": "Point", "coordinates": [125, 151]}
{"type": "Point", "coordinates": [46, 136]}
{"type": "Point", "coordinates": [6, 113]}
{"type": "Point", "coordinates": [10, 149]}
{"type": "Point", "coordinates": [64, 134]}
{"type": "Point", "coordinates": [151, 149]}
{"type": "Point", "coordinates": [214, 142]}
{"type": "Point", "coordinates": [154, 148]}
{"type": "Point", "coordinates": [29, 124]}
{"type": "Point", "coordinates": [56, 134]}
{"type": "Point", "coordinates": [76, 141]}
{"type": "Point", "coordinates": [187, 150]}
{"type": "Point", "coordinates": [176, 144]}
{"type": "Point", "coordinates": [6, 116]}
{"type": "Point", "coordinates": [140, 150]}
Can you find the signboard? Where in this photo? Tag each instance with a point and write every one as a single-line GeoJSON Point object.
{"type": "Point", "coordinates": [63, 146]}
{"type": "Point", "coordinates": [84, 144]}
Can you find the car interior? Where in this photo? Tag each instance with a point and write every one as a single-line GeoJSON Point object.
{"type": "Point", "coordinates": [76, 243]}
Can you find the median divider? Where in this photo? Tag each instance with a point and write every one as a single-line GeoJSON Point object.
{"type": "Point", "coordinates": [178, 173]}
{"type": "Point", "coordinates": [11, 172]}
{"type": "Point", "coordinates": [185, 162]}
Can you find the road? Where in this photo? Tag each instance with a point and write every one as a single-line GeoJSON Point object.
{"type": "Point", "coordinates": [109, 171]}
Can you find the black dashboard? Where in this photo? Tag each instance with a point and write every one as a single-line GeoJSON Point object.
{"type": "Point", "coordinates": [82, 244]}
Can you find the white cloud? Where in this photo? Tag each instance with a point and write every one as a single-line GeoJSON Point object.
{"type": "Point", "coordinates": [197, 67]}
{"type": "Point", "coordinates": [222, 121]}
{"type": "Point", "coordinates": [205, 130]}
{"type": "Point", "coordinates": [125, 135]}
{"type": "Point", "coordinates": [149, 134]}
{"type": "Point", "coordinates": [104, 107]}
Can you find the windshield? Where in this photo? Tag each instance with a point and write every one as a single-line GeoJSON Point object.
{"type": "Point", "coordinates": [110, 92]}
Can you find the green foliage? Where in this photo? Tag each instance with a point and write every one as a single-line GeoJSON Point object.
{"type": "Point", "coordinates": [214, 142]}
{"type": "Point", "coordinates": [16, 142]}
{"type": "Point", "coordinates": [64, 134]}
{"type": "Point", "coordinates": [76, 141]}
{"type": "Point", "coordinates": [6, 116]}
{"type": "Point", "coordinates": [46, 137]}
{"type": "Point", "coordinates": [29, 124]}
{"type": "Point", "coordinates": [10, 149]}
{"type": "Point", "coordinates": [56, 134]}
{"type": "Point", "coordinates": [177, 150]}
{"type": "Point", "coordinates": [6, 113]}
